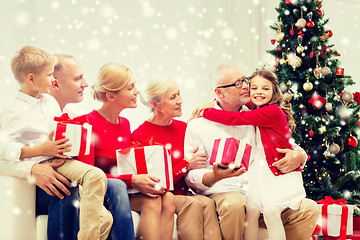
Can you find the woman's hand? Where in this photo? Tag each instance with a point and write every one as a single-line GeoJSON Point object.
{"type": "Point", "coordinates": [148, 185]}
{"type": "Point", "coordinates": [196, 160]}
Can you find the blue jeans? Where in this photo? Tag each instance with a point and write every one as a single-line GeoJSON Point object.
{"type": "Point", "coordinates": [117, 202]}
{"type": "Point", "coordinates": [63, 215]}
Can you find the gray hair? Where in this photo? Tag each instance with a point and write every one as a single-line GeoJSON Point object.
{"type": "Point", "coordinates": [217, 77]}
{"type": "Point", "coordinates": [155, 90]}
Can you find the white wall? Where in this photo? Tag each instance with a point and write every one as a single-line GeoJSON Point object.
{"type": "Point", "coordinates": [185, 39]}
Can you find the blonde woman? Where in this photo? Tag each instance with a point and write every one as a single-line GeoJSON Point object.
{"type": "Point", "coordinates": [115, 88]}
{"type": "Point", "coordinates": [197, 218]}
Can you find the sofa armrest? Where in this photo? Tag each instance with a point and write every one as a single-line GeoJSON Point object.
{"type": "Point", "coordinates": [17, 207]}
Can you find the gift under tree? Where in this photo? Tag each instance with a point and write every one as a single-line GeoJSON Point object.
{"type": "Point", "coordinates": [326, 114]}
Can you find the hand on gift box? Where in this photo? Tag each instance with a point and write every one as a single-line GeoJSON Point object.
{"type": "Point", "coordinates": [48, 148]}
{"type": "Point", "coordinates": [148, 185]}
{"type": "Point", "coordinates": [219, 173]}
{"type": "Point", "coordinates": [55, 148]}
{"type": "Point", "coordinates": [196, 159]}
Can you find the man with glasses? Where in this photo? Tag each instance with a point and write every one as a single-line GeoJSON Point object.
{"type": "Point", "coordinates": [227, 186]}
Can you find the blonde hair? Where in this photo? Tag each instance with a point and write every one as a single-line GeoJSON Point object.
{"type": "Point", "coordinates": [30, 60]}
{"type": "Point", "coordinates": [155, 90]}
{"type": "Point", "coordinates": [112, 77]}
{"type": "Point", "coordinates": [277, 96]}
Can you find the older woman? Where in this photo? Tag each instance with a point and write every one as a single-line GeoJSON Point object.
{"type": "Point", "coordinates": [115, 88]}
{"type": "Point", "coordinates": [197, 217]}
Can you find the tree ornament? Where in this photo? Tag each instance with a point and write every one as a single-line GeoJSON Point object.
{"type": "Point", "coordinates": [294, 60]}
{"type": "Point", "coordinates": [352, 142]}
{"type": "Point", "coordinates": [311, 133]}
{"type": "Point", "coordinates": [317, 72]}
{"type": "Point", "coordinates": [345, 119]}
{"type": "Point", "coordinates": [357, 98]}
{"type": "Point", "coordinates": [358, 123]}
{"type": "Point", "coordinates": [328, 107]}
{"type": "Point", "coordinates": [310, 24]}
{"type": "Point", "coordinates": [288, 2]}
{"type": "Point", "coordinates": [279, 36]}
{"type": "Point", "coordinates": [301, 22]}
{"type": "Point", "coordinates": [317, 101]}
{"type": "Point", "coordinates": [308, 86]}
{"type": "Point", "coordinates": [325, 71]}
{"type": "Point", "coordinates": [322, 129]}
{"type": "Point", "coordinates": [284, 87]}
{"type": "Point", "coordinates": [339, 72]}
{"type": "Point", "coordinates": [282, 61]}
{"type": "Point", "coordinates": [327, 34]}
{"type": "Point", "coordinates": [319, 12]}
{"type": "Point", "coordinates": [323, 51]}
{"type": "Point", "coordinates": [334, 148]}
{"type": "Point", "coordinates": [347, 97]}
{"type": "Point", "coordinates": [300, 49]}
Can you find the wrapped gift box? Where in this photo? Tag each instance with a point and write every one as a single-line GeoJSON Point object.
{"type": "Point", "coordinates": [334, 219]}
{"type": "Point", "coordinates": [77, 130]}
{"type": "Point", "coordinates": [153, 160]}
{"type": "Point", "coordinates": [231, 151]}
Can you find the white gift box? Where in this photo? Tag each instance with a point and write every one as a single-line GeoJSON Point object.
{"type": "Point", "coordinates": [79, 136]}
{"type": "Point", "coordinates": [153, 160]}
{"type": "Point", "coordinates": [334, 220]}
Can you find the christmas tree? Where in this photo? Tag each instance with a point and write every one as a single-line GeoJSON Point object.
{"type": "Point", "coordinates": [326, 114]}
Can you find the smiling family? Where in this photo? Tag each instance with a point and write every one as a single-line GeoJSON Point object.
{"type": "Point", "coordinates": [211, 201]}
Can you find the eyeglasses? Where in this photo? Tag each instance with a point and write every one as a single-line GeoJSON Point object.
{"type": "Point", "coordinates": [238, 83]}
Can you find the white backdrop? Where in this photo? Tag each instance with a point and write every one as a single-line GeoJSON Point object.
{"type": "Point", "coordinates": [184, 39]}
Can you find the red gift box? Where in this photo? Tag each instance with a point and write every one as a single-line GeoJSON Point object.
{"type": "Point", "coordinates": [78, 130]}
{"type": "Point", "coordinates": [336, 218]}
{"type": "Point", "coordinates": [339, 71]}
{"type": "Point", "coordinates": [153, 160]}
{"type": "Point", "coordinates": [231, 151]}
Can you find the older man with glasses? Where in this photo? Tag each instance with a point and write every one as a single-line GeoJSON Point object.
{"type": "Point", "coordinates": [227, 186]}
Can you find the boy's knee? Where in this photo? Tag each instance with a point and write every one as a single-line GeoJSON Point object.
{"type": "Point", "coordinates": [271, 211]}
{"type": "Point", "coordinates": [168, 202]}
{"type": "Point", "coordinates": [96, 175]}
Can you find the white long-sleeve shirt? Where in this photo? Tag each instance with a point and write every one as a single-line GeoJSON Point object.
{"type": "Point", "coordinates": [202, 132]}
{"type": "Point", "coordinates": [26, 123]}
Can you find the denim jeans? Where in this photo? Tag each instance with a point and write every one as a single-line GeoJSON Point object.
{"type": "Point", "coordinates": [63, 214]}
{"type": "Point", "coordinates": [117, 202]}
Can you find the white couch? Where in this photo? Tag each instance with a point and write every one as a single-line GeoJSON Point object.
{"type": "Point", "coordinates": [17, 208]}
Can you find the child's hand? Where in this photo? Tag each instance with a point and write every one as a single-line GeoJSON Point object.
{"type": "Point", "coordinates": [198, 112]}
{"type": "Point", "coordinates": [55, 148]}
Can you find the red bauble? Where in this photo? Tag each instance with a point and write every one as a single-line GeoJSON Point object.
{"type": "Point", "coordinates": [352, 141]}
{"type": "Point", "coordinates": [330, 33]}
{"type": "Point", "coordinates": [317, 101]}
{"type": "Point", "coordinates": [311, 133]}
{"type": "Point", "coordinates": [358, 123]}
{"type": "Point", "coordinates": [288, 2]}
{"type": "Point", "coordinates": [319, 12]}
{"type": "Point", "coordinates": [310, 24]}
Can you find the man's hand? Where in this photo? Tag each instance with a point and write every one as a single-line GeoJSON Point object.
{"type": "Point", "coordinates": [49, 180]}
{"type": "Point", "coordinates": [219, 173]}
{"type": "Point", "coordinates": [291, 161]}
{"type": "Point", "coordinates": [147, 185]}
{"type": "Point", "coordinates": [196, 160]}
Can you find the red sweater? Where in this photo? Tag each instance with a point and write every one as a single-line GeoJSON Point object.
{"type": "Point", "coordinates": [106, 139]}
{"type": "Point", "coordinates": [171, 136]}
{"type": "Point", "coordinates": [272, 123]}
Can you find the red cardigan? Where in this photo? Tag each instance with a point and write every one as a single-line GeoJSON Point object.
{"type": "Point", "coordinates": [272, 123]}
{"type": "Point", "coordinates": [106, 139]}
{"type": "Point", "coordinates": [172, 137]}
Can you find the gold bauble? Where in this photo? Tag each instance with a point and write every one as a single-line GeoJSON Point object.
{"type": "Point", "coordinates": [308, 86]}
{"type": "Point", "coordinates": [328, 107]}
{"type": "Point", "coordinates": [334, 148]}
{"type": "Point", "coordinates": [300, 49]}
{"type": "Point", "coordinates": [317, 72]}
{"type": "Point", "coordinates": [279, 36]}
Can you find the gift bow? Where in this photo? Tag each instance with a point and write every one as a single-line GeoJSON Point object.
{"type": "Point", "coordinates": [344, 215]}
{"type": "Point", "coordinates": [66, 119]}
{"type": "Point", "coordinates": [148, 142]}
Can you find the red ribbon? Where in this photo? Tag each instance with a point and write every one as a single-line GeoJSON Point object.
{"type": "Point", "coordinates": [141, 166]}
{"type": "Point", "coordinates": [61, 129]}
{"type": "Point", "coordinates": [344, 215]}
